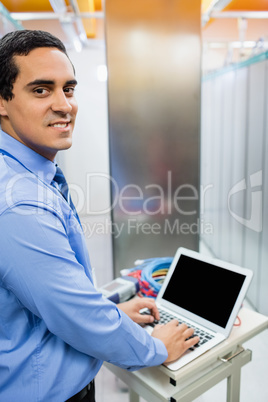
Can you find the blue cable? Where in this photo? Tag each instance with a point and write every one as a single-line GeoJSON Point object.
{"type": "Point", "coordinates": [149, 266]}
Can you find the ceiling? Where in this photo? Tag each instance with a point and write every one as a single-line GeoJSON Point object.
{"type": "Point", "coordinates": [230, 28]}
{"type": "Point", "coordinates": [233, 31]}
{"type": "Point", "coordinates": [224, 25]}
{"type": "Point", "coordinates": [71, 20]}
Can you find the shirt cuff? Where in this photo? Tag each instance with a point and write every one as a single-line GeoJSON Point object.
{"type": "Point", "coordinates": [161, 351]}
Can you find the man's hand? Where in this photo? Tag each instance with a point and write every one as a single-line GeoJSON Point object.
{"type": "Point", "coordinates": [132, 309]}
{"type": "Point", "coordinates": [174, 337]}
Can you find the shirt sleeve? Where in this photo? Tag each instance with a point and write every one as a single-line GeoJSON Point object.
{"type": "Point", "coordinates": [41, 269]}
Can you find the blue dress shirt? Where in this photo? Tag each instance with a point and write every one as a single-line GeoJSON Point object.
{"type": "Point", "coordinates": [55, 328]}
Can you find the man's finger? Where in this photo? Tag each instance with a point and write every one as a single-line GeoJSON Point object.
{"type": "Point", "coordinates": [192, 341]}
{"type": "Point", "coordinates": [155, 312]}
{"type": "Point", "coordinates": [173, 323]}
{"type": "Point", "coordinates": [150, 304]}
{"type": "Point", "coordinates": [146, 319]}
{"type": "Point", "coordinates": [188, 332]}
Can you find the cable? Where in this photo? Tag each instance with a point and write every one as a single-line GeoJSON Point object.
{"type": "Point", "coordinates": [151, 273]}
{"type": "Point", "coordinates": [238, 322]}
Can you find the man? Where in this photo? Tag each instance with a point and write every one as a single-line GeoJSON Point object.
{"type": "Point", "coordinates": [55, 328]}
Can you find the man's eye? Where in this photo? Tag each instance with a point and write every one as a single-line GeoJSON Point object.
{"type": "Point", "coordinates": [41, 91]}
{"type": "Point", "coordinates": [69, 90]}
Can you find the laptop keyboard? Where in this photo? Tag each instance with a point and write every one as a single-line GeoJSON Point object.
{"type": "Point", "coordinates": [165, 317]}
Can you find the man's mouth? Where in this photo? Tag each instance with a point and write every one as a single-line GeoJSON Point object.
{"type": "Point", "coordinates": [60, 125]}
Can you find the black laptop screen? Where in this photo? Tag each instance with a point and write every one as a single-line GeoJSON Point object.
{"type": "Point", "coordinates": [204, 289]}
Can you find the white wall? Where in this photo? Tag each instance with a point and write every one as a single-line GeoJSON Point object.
{"type": "Point", "coordinates": [234, 165]}
{"type": "Point", "coordinates": [89, 152]}
{"type": "Point", "coordinates": [89, 156]}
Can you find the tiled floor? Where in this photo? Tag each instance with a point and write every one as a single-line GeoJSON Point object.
{"type": "Point", "coordinates": [254, 379]}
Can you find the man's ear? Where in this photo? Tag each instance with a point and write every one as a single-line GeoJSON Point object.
{"type": "Point", "coordinates": [3, 111]}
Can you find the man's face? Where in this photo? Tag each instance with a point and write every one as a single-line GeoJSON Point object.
{"type": "Point", "coordinates": [42, 112]}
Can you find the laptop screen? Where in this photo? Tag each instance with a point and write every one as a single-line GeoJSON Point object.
{"type": "Point", "coordinates": [204, 289]}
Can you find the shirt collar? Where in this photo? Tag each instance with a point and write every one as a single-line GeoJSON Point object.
{"type": "Point", "coordinates": [36, 163]}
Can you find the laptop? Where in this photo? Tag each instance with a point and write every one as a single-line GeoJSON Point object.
{"type": "Point", "coordinates": [206, 294]}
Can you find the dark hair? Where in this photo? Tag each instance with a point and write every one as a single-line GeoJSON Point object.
{"type": "Point", "coordinates": [21, 43]}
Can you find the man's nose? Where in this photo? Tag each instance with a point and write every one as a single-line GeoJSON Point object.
{"type": "Point", "coordinates": [61, 103]}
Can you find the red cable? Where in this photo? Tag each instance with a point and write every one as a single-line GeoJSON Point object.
{"type": "Point", "coordinates": [238, 323]}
